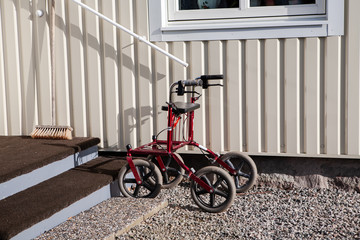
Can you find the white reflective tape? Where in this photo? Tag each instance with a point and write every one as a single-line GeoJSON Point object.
{"type": "Point", "coordinates": [202, 147]}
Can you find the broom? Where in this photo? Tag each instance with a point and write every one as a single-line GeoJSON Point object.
{"type": "Point", "coordinates": [52, 131]}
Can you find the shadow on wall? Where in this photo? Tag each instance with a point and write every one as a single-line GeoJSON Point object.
{"type": "Point", "coordinates": [129, 124]}
{"type": "Point", "coordinates": [126, 119]}
{"type": "Point", "coordinates": [110, 51]}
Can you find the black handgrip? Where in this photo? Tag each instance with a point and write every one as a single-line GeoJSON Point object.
{"type": "Point", "coordinates": [209, 77]}
{"type": "Point", "coordinates": [205, 79]}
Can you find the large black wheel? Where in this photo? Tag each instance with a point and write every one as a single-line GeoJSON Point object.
{"type": "Point", "coordinates": [246, 171]}
{"type": "Point", "coordinates": [150, 176]}
{"type": "Point", "coordinates": [223, 185]}
{"type": "Point", "coordinates": [173, 174]}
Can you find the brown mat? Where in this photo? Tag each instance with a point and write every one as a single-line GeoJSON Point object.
{"type": "Point", "coordinates": [22, 210]}
{"type": "Point", "coordinates": [22, 154]}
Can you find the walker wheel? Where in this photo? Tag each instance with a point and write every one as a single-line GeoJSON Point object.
{"type": "Point", "coordinates": [246, 170]}
{"type": "Point", "coordinates": [223, 185]}
{"type": "Point", "coordinates": [173, 174]}
{"type": "Point", "coordinates": [150, 176]}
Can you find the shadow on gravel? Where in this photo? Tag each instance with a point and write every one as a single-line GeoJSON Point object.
{"type": "Point", "coordinates": [291, 172]}
{"type": "Point", "coordinates": [300, 166]}
{"type": "Point", "coordinates": [187, 207]}
{"type": "Point", "coordinates": [287, 172]}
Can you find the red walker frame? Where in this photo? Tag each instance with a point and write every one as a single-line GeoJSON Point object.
{"type": "Point", "coordinates": [172, 146]}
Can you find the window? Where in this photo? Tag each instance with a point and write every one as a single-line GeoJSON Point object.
{"type": "Point", "coordinates": [186, 20]}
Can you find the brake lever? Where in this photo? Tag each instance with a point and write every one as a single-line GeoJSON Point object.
{"type": "Point", "coordinates": [192, 92]}
{"type": "Point", "coordinates": [217, 84]}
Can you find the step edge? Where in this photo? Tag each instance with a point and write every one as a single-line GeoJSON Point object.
{"type": "Point", "coordinates": [25, 181]}
{"type": "Point", "coordinates": [61, 216]}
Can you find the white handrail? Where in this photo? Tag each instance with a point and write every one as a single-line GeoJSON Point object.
{"type": "Point", "coordinates": [185, 64]}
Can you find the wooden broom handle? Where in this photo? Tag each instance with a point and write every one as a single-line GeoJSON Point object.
{"type": "Point", "coordinates": [52, 54]}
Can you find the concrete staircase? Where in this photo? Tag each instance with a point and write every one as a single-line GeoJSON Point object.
{"type": "Point", "coordinates": [45, 182]}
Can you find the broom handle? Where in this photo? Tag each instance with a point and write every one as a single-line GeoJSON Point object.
{"type": "Point", "coordinates": [142, 39]}
{"type": "Point", "coordinates": [52, 50]}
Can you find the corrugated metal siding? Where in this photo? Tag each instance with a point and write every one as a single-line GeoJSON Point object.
{"type": "Point", "coordinates": [288, 96]}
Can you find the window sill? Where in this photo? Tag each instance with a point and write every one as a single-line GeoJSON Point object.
{"type": "Point", "coordinates": [243, 33]}
{"type": "Point", "coordinates": [245, 23]}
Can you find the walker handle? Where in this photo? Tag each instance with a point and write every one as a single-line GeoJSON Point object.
{"type": "Point", "coordinates": [205, 79]}
{"type": "Point", "coordinates": [210, 77]}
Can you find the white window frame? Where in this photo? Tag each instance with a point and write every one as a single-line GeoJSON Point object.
{"type": "Point", "coordinates": [257, 23]}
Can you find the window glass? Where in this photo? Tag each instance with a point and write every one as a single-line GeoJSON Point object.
{"type": "Point", "coordinates": [209, 4]}
{"type": "Point", "coordinates": [257, 3]}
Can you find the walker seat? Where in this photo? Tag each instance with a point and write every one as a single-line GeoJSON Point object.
{"type": "Point", "coordinates": [182, 107]}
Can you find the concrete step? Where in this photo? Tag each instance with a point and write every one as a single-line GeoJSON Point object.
{"type": "Point", "coordinates": [26, 162]}
{"type": "Point", "coordinates": [37, 209]}
{"type": "Point", "coordinates": [107, 220]}
{"type": "Point", "coordinates": [44, 183]}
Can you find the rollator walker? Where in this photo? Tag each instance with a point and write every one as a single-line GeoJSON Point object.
{"type": "Point", "coordinates": [214, 187]}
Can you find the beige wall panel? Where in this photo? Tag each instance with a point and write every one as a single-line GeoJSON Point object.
{"type": "Point", "coordinates": [93, 73]}
{"type": "Point", "coordinates": [292, 95]}
{"type": "Point", "coordinates": [234, 81]}
{"type": "Point", "coordinates": [27, 66]}
{"type": "Point", "coordinates": [145, 83]}
{"type": "Point", "coordinates": [144, 76]}
{"type": "Point", "coordinates": [253, 95]}
{"type": "Point", "coordinates": [216, 98]}
{"type": "Point", "coordinates": [43, 64]}
{"type": "Point", "coordinates": [128, 84]}
{"type": "Point", "coordinates": [3, 92]}
{"type": "Point", "coordinates": [312, 95]}
{"type": "Point", "coordinates": [178, 72]}
{"type": "Point", "coordinates": [333, 95]}
{"type": "Point", "coordinates": [12, 66]}
{"type": "Point", "coordinates": [110, 77]}
{"type": "Point", "coordinates": [77, 70]}
{"type": "Point", "coordinates": [61, 70]}
{"type": "Point", "coordinates": [162, 79]}
{"type": "Point", "coordinates": [196, 69]}
{"type": "Point", "coordinates": [353, 76]}
{"type": "Point", "coordinates": [272, 95]}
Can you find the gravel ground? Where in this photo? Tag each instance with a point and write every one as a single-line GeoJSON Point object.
{"type": "Point", "coordinates": [259, 214]}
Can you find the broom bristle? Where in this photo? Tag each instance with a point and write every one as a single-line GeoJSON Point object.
{"type": "Point", "coordinates": [52, 132]}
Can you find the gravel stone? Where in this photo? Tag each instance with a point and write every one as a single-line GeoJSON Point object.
{"type": "Point", "coordinates": [262, 213]}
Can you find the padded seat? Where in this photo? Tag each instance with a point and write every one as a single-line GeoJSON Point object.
{"type": "Point", "coordinates": [183, 107]}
